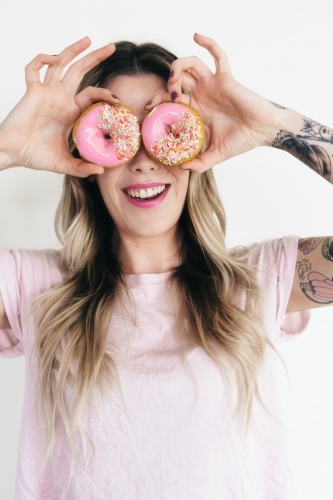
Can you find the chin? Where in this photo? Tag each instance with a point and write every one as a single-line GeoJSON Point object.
{"type": "Point", "coordinates": [151, 232]}
{"type": "Point", "coordinates": [154, 230]}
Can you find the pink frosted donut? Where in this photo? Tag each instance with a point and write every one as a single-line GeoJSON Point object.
{"type": "Point", "coordinates": [107, 134]}
{"type": "Point", "coordinates": [173, 133]}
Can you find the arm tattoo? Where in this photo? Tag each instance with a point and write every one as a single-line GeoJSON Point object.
{"type": "Point", "coordinates": [319, 288]}
{"type": "Point", "coordinates": [317, 131]}
{"type": "Point", "coordinates": [313, 155]}
{"type": "Point", "coordinates": [327, 248]}
{"type": "Point", "coordinates": [306, 245]}
{"type": "Point", "coordinates": [315, 286]}
{"type": "Point", "coordinates": [277, 105]}
{"type": "Point", "coordinates": [303, 267]}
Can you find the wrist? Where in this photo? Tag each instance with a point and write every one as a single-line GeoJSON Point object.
{"type": "Point", "coordinates": [308, 141]}
{"type": "Point", "coordinates": [285, 120]}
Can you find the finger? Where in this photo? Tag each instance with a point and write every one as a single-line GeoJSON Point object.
{"type": "Point", "coordinates": [32, 69]}
{"type": "Point", "coordinates": [76, 71]}
{"type": "Point", "coordinates": [175, 94]}
{"type": "Point", "coordinates": [193, 64]}
{"type": "Point", "coordinates": [185, 73]}
{"type": "Point", "coordinates": [65, 57]}
{"type": "Point", "coordinates": [78, 167]}
{"type": "Point", "coordinates": [186, 82]}
{"type": "Point", "coordinates": [203, 162]}
{"type": "Point", "coordinates": [166, 97]}
{"type": "Point", "coordinates": [94, 94]}
{"type": "Point", "coordinates": [220, 57]}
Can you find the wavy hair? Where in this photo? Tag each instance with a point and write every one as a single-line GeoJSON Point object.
{"type": "Point", "coordinates": [73, 318]}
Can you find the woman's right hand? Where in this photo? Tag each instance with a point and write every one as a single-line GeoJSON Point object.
{"type": "Point", "coordinates": [35, 133]}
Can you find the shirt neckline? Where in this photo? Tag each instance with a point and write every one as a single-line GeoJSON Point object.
{"type": "Point", "coordinates": [146, 278]}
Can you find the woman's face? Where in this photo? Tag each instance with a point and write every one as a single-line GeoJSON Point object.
{"type": "Point", "coordinates": [133, 217]}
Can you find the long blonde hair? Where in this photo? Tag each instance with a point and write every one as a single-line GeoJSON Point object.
{"type": "Point", "coordinates": [73, 318]}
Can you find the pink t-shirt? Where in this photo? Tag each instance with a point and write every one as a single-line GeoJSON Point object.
{"type": "Point", "coordinates": [174, 439]}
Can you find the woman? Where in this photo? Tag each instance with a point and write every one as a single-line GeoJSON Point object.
{"type": "Point", "coordinates": [149, 345]}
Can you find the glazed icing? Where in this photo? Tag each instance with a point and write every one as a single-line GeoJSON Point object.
{"type": "Point", "coordinates": [107, 135]}
{"type": "Point", "coordinates": [172, 133]}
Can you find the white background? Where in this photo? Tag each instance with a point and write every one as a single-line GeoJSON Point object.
{"type": "Point", "coordinates": [283, 51]}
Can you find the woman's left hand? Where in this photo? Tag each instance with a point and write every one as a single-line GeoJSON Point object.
{"type": "Point", "coordinates": [236, 119]}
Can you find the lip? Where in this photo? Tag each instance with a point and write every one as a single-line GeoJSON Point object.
{"type": "Point", "coordinates": [148, 203]}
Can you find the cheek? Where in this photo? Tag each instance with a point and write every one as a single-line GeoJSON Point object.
{"type": "Point", "coordinates": [182, 181]}
{"type": "Point", "coordinates": [181, 176]}
{"type": "Point", "coordinates": [108, 183]}
{"type": "Point", "coordinates": [110, 198]}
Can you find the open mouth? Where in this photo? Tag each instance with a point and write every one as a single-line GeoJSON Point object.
{"type": "Point", "coordinates": [147, 194]}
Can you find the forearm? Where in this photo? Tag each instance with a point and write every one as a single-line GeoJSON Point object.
{"type": "Point", "coordinates": [307, 140]}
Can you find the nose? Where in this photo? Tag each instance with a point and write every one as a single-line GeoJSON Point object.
{"type": "Point", "coordinates": [142, 162]}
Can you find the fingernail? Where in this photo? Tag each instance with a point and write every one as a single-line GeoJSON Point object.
{"type": "Point", "coordinates": [171, 74]}
{"type": "Point", "coordinates": [148, 103]}
{"type": "Point", "coordinates": [115, 96]}
{"type": "Point", "coordinates": [174, 95]}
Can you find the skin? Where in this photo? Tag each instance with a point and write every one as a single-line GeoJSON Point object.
{"type": "Point", "coordinates": [147, 235]}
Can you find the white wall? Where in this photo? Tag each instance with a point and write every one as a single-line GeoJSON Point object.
{"type": "Point", "coordinates": [281, 50]}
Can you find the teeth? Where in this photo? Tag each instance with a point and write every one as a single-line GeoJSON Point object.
{"type": "Point", "coordinates": [146, 193]}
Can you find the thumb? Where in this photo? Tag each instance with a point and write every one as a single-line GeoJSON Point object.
{"type": "Point", "coordinates": [203, 162]}
{"type": "Point", "coordinates": [79, 168]}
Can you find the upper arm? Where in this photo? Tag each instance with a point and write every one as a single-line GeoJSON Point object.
{"type": "Point", "coordinates": [4, 323]}
{"type": "Point", "coordinates": [313, 281]}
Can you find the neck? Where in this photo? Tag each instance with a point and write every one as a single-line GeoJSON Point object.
{"type": "Point", "coordinates": [153, 255]}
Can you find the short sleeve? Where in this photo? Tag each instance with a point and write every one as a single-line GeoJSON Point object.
{"type": "Point", "coordinates": [296, 322]}
{"type": "Point", "coordinates": [275, 261]}
{"type": "Point", "coordinates": [24, 274]}
{"type": "Point", "coordinates": [10, 281]}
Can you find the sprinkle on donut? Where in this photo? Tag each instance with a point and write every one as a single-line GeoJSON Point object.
{"type": "Point", "coordinates": [181, 142]}
{"type": "Point", "coordinates": [121, 128]}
